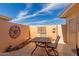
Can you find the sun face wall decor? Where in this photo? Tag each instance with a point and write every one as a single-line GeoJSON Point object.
{"type": "Point", "coordinates": [14, 31]}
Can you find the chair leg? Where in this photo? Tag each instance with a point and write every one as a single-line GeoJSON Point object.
{"type": "Point", "coordinates": [46, 51]}
{"type": "Point", "coordinates": [55, 52]}
{"type": "Point", "coordinates": [33, 50]}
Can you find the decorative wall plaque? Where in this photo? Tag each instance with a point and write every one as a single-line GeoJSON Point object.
{"type": "Point", "coordinates": [14, 31]}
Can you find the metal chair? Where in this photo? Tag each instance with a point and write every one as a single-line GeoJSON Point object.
{"type": "Point", "coordinates": [53, 47]}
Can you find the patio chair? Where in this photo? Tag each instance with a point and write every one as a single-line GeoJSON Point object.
{"type": "Point", "coordinates": [53, 47]}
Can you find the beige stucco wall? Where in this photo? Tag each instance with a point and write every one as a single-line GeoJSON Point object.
{"type": "Point", "coordinates": [64, 32]}
{"type": "Point", "coordinates": [6, 40]}
{"type": "Point", "coordinates": [72, 16]}
{"type": "Point", "coordinates": [33, 32]}
{"type": "Point", "coordinates": [78, 35]}
{"type": "Point", "coordinates": [77, 25]}
{"type": "Point", "coordinates": [74, 28]}
{"type": "Point", "coordinates": [72, 31]}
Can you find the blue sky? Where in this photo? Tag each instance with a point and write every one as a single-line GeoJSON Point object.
{"type": "Point", "coordinates": [34, 13]}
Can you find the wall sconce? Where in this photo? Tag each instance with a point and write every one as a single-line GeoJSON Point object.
{"type": "Point", "coordinates": [53, 30]}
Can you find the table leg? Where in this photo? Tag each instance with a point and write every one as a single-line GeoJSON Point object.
{"type": "Point", "coordinates": [46, 51]}
{"type": "Point", "coordinates": [34, 50]}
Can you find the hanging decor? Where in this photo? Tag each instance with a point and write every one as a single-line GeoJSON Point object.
{"type": "Point", "coordinates": [14, 31]}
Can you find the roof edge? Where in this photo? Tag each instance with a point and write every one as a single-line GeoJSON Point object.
{"type": "Point", "coordinates": [63, 14]}
{"type": "Point", "coordinates": [5, 18]}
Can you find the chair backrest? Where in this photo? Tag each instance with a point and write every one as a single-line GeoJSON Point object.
{"type": "Point", "coordinates": [57, 40]}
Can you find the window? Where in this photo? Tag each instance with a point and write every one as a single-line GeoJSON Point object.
{"type": "Point", "coordinates": [42, 30]}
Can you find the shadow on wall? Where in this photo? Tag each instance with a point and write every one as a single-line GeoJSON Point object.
{"type": "Point", "coordinates": [19, 46]}
{"type": "Point", "coordinates": [64, 33]}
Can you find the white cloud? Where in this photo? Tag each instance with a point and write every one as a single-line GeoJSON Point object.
{"type": "Point", "coordinates": [25, 11]}
{"type": "Point", "coordinates": [36, 22]}
{"type": "Point", "coordinates": [46, 22]}
{"type": "Point", "coordinates": [49, 7]}
{"type": "Point", "coordinates": [23, 15]}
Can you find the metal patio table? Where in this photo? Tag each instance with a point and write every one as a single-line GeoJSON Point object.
{"type": "Point", "coordinates": [41, 42]}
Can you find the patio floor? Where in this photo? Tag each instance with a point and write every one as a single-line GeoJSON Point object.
{"type": "Point", "coordinates": [63, 49]}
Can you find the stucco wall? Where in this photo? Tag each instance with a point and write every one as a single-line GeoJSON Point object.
{"type": "Point", "coordinates": [78, 35]}
{"type": "Point", "coordinates": [77, 20]}
{"type": "Point", "coordinates": [64, 32]}
{"type": "Point", "coordinates": [6, 40]}
{"type": "Point", "coordinates": [72, 31]}
{"type": "Point", "coordinates": [33, 32]}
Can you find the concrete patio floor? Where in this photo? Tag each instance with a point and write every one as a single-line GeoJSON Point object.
{"type": "Point", "coordinates": [63, 50]}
